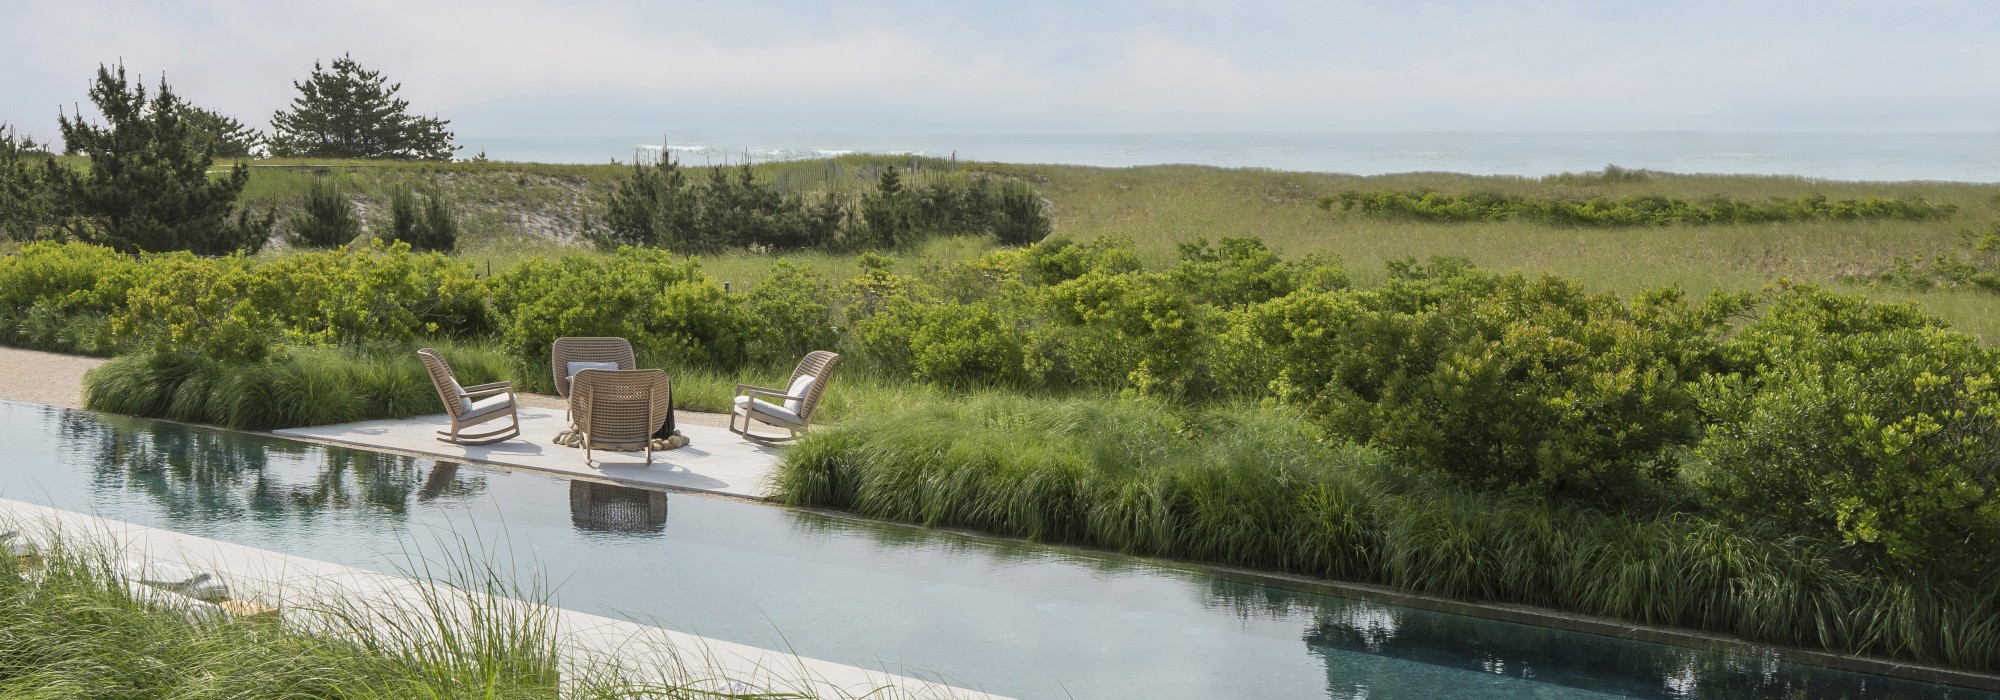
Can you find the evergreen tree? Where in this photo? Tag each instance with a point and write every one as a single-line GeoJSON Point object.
{"type": "Point", "coordinates": [24, 202]}
{"type": "Point", "coordinates": [147, 187]}
{"type": "Point", "coordinates": [428, 227]}
{"type": "Point", "coordinates": [886, 216]}
{"type": "Point", "coordinates": [655, 208]}
{"type": "Point", "coordinates": [1020, 219]}
{"type": "Point", "coordinates": [230, 138]}
{"type": "Point", "coordinates": [325, 219]}
{"type": "Point", "coordinates": [351, 112]}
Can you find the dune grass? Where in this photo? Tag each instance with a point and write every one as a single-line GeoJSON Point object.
{"type": "Point", "coordinates": [1255, 488]}
{"type": "Point", "coordinates": [515, 211]}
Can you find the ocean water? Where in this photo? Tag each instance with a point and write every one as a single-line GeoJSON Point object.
{"type": "Point", "coordinates": [1964, 157]}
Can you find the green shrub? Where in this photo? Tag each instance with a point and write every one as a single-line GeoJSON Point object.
{"type": "Point", "coordinates": [1132, 330]}
{"type": "Point", "coordinates": [1059, 260]}
{"type": "Point", "coordinates": [946, 343]}
{"type": "Point", "coordinates": [233, 308]}
{"type": "Point", "coordinates": [1242, 271]}
{"type": "Point", "coordinates": [372, 292]}
{"type": "Point", "coordinates": [642, 295]}
{"type": "Point", "coordinates": [1649, 210]}
{"type": "Point", "coordinates": [185, 304]}
{"type": "Point", "coordinates": [790, 314]}
{"type": "Point", "coordinates": [1867, 423]}
{"type": "Point", "coordinates": [59, 296]}
{"type": "Point", "coordinates": [1497, 379]}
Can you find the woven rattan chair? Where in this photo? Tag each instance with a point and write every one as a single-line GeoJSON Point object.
{"type": "Point", "coordinates": [797, 400]}
{"type": "Point", "coordinates": [567, 350]}
{"type": "Point", "coordinates": [619, 409]}
{"type": "Point", "coordinates": [471, 405]}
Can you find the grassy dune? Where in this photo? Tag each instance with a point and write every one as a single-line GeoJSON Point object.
{"type": "Point", "coordinates": [513, 211]}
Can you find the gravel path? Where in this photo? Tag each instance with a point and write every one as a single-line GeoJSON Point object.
{"type": "Point", "coordinates": [57, 380]}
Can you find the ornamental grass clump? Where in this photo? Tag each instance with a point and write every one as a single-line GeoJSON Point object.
{"type": "Point", "coordinates": [1257, 488]}
{"type": "Point", "coordinates": [294, 386]}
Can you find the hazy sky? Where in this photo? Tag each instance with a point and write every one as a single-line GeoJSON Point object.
{"type": "Point", "coordinates": [500, 68]}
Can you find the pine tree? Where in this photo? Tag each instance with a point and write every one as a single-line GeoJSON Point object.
{"type": "Point", "coordinates": [147, 187]}
{"type": "Point", "coordinates": [429, 227]}
{"type": "Point", "coordinates": [325, 219]}
{"type": "Point", "coordinates": [886, 214]}
{"type": "Point", "coordinates": [230, 138]}
{"type": "Point", "coordinates": [24, 202]}
{"type": "Point", "coordinates": [1019, 217]}
{"type": "Point", "coordinates": [350, 112]}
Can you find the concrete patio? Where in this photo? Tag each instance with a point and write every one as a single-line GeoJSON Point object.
{"type": "Point", "coordinates": [715, 460]}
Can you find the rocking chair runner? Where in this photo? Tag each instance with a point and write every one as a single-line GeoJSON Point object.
{"type": "Point", "coordinates": [800, 397]}
{"type": "Point", "coordinates": [468, 406]}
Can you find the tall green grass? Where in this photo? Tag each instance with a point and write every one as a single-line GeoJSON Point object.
{"type": "Point", "coordinates": [1255, 488]}
{"type": "Point", "coordinates": [72, 626]}
{"type": "Point", "coordinates": [298, 386]}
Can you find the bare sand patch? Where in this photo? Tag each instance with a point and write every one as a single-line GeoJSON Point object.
{"type": "Point", "coordinates": [44, 377]}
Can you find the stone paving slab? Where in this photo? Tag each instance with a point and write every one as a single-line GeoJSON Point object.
{"type": "Point", "coordinates": [584, 642]}
{"type": "Point", "coordinates": [715, 460]}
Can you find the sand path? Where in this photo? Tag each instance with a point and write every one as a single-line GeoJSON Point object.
{"type": "Point", "coordinates": [44, 377]}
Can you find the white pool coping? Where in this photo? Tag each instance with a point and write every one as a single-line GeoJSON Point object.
{"type": "Point", "coordinates": [714, 461]}
{"type": "Point", "coordinates": [584, 641]}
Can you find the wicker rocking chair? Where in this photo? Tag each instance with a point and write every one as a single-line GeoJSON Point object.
{"type": "Point", "coordinates": [471, 405]}
{"type": "Point", "coordinates": [799, 398]}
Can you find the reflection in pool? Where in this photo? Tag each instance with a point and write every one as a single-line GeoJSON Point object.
{"type": "Point", "coordinates": [1013, 618]}
{"type": "Point", "coordinates": [609, 508]}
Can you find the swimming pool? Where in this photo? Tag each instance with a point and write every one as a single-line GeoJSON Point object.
{"type": "Point", "coordinates": [1007, 617]}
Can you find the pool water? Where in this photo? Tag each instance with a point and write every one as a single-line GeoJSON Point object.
{"type": "Point", "coordinates": [1007, 617]}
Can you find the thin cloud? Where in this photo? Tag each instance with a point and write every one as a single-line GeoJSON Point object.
{"type": "Point", "coordinates": [525, 68]}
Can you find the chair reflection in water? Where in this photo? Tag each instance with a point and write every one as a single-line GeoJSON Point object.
{"type": "Point", "coordinates": [604, 507]}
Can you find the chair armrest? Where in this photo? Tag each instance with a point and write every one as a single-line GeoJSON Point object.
{"type": "Point", "coordinates": [494, 388]}
{"type": "Point", "coordinates": [767, 393]}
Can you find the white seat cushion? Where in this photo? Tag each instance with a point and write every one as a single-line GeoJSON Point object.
{"type": "Point", "coordinates": [769, 412]}
{"type": "Point", "coordinates": [799, 387]}
{"type": "Point", "coordinates": [575, 367]}
{"type": "Point", "coordinates": [486, 406]}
